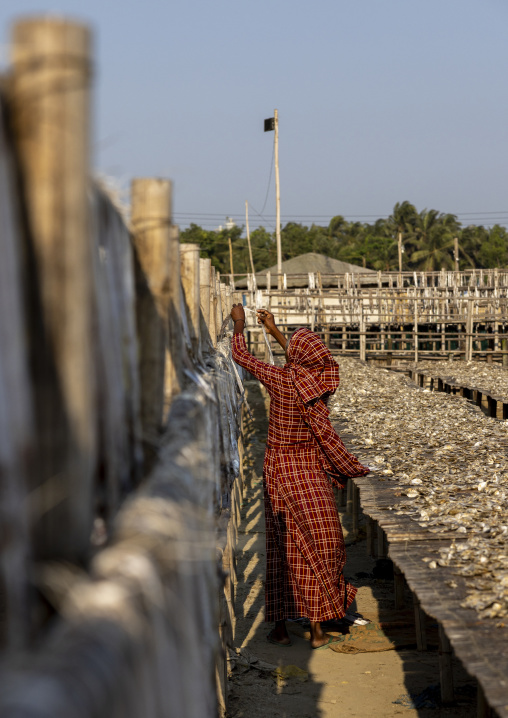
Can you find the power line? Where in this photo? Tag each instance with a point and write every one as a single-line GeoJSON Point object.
{"type": "Point", "coordinates": [326, 216]}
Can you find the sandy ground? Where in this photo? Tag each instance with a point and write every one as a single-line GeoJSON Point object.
{"type": "Point", "coordinates": [323, 683]}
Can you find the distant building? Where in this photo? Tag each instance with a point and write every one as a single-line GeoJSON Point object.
{"type": "Point", "coordinates": [297, 271]}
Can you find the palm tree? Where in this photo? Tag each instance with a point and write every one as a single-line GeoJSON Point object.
{"type": "Point", "coordinates": [402, 221]}
{"type": "Point", "coordinates": [433, 240]}
{"type": "Point", "coordinates": [472, 239]}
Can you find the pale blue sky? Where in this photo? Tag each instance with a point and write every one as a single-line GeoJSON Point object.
{"type": "Point", "coordinates": [379, 101]}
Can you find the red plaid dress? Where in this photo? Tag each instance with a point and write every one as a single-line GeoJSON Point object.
{"type": "Point", "coordinates": [304, 541]}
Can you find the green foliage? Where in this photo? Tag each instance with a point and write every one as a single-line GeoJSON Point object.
{"type": "Point", "coordinates": [494, 252]}
{"type": "Point", "coordinates": [427, 237]}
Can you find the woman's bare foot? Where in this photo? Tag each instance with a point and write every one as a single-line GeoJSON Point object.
{"type": "Point", "coordinates": [318, 637]}
{"type": "Point", "coordinates": [279, 634]}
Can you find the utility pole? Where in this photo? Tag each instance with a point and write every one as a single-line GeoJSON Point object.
{"type": "Point", "coordinates": [456, 252]}
{"type": "Point", "coordinates": [277, 198]}
{"type": "Point", "coordinates": [272, 123]}
{"type": "Point", "coordinates": [248, 242]}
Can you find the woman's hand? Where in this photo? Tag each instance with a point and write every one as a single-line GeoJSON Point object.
{"type": "Point", "coordinates": [266, 318]}
{"type": "Point", "coordinates": [237, 313]}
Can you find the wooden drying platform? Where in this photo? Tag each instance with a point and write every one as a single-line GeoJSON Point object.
{"type": "Point", "coordinates": [480, 644]}
{"type": "Point", "coordinates": [495, 406]}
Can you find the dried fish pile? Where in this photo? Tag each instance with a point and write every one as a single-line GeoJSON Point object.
{"type": "Point", "coordinates": [491, 378]}
{"type": "Point", "coordinates": [449, 463]}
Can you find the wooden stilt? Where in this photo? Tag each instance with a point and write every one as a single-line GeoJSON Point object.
{"type": "Point", "coordinates": [399, 588]}
{"type": "Point", "coordinates": [356, 511]}
{"type": "Point", "coordinates": [349, 503]}
{"type": "Point", "coordinates": [445, 667]}
{"type": "Point", "coordinates": [483, 710]}
{"type": "Point", "coordinates": [342, 495]}
{"type": "Point", "coordinates": [371, 528]}
{"type": "Point", "coordinates": [421, 636]}
{"type": "Point", "coordinates": [381, 543]}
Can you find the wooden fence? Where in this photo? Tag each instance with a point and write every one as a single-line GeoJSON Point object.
{"type": "Point", "coordinates": [120, 421]}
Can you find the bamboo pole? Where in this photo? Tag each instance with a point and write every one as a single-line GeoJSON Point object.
{"type": "Point", "coordinates": [190, 271]}
{"type": "Point", "coordinates": [225, 295]}
{"type": "Point", "coordinates": [205, 293]}
{"type": "Point", "coordinates": [231, 265]}
{"type": "Point", "coordinates": [179, 340]}
{"type": "Point", "coordinates": [363, 338]}
{"type": "Point", "coordinates": [248, 242]}
{"type": "Point", "coordinates": [218, 306]}
{"type": "Point", "coordinates": [150, 221]}
{"type": "Point", "coordinates": [399, 244]}
{"type": "Point", "coordinates": [50, 98]}
{"type": "Point", "coordinates": [416, 330]}
{"type": "Point", "coordinates": [469, 330]}
{"type": "Point", "coordinates": [277, 199]}
{"type": "Point", "coordinates": [213, 306]}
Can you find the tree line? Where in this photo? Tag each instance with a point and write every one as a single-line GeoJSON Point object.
{"type": "Point", "coordinates": [427, 238]}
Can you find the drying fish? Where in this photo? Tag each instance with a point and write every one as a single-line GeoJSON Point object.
{"type": "Point", "coordinates": [490, 378]}
{"type": "Point", "coordinates": [447, 462]}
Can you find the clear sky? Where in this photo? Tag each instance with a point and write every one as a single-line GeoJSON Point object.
{"type": "Point", "coordinates": [379, 101]}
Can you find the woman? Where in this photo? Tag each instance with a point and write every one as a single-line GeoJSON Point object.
{"type": "Point", "coordinates": [304, 542]}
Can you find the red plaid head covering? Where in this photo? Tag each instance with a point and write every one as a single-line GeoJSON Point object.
{"type": "Point", "coordinates": [315, 375]}
{"type": "Point", "coordinates": [313, 369]}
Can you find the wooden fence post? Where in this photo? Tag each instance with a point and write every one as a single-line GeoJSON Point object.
{"type": "Point", "coordinates": [218, 306]}
{"type": "Point", "coordinates": [176, 318]}
{"type": "Point", "coordinates": [50, 98]}
{"type": "Point", "coordinates": [225, 295]}
{"type": "Point", "coordinates": [213, 307]}
{"type": "Point", "coordinates": [150, 219]}
{"type": "Point", "coordinates": [189, 267]}
{"type": "Point", "coordinates": [205, 292]}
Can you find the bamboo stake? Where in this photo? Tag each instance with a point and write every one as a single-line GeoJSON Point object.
{"type": "Point", "coordinates": [218, 306]}
{"type": "Point", "coordinates": [150, 220]}
{"type": "Point", "coordinates": [231, 267]}
{"type": "Point", "coordinates": [248, 242]}
{"type": "Point", "coordinates": [416, 330]}
{"type": "Point", "coordinates": [363, 338]}
{"type": "Point", "coordinates": [469, 331]}
{"type": "Point", "coordinates": [50, 93]}
{"type": "Point", "coordinates": [190, 271]}
{"type": "Point", "coordinates": [205, 293]}
{"type": "Point", "coordinates": [400, 257]}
